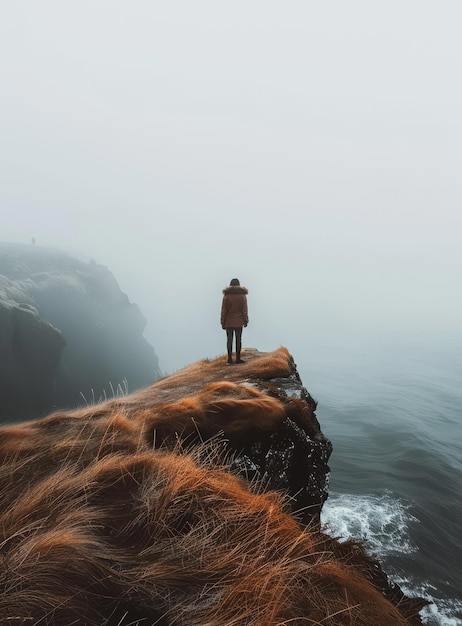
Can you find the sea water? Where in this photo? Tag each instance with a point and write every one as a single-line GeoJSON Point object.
{"type": "Point", "coordinates": [392, 408]}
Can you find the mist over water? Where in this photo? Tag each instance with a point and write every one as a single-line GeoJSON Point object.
{"type": "Point", "coordinates": [392, 410]}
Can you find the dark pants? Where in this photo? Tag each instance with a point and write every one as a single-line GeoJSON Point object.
{"type": "Point", "coordinates": [229, 334]}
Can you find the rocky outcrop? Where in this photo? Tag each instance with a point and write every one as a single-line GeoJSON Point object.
{"type": "Point", "coordinates": [68, 335]}
{"type": "Point", "coordinates": [264, 414]}
{"type": "Point", "coordinates": [160, 508]}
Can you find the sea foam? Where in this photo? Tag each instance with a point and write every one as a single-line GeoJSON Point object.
{"type": "Point", "coordinates": [381, 521]}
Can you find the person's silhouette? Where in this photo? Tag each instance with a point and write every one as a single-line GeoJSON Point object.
{"type": "Point", "coordinates": [234, 315]}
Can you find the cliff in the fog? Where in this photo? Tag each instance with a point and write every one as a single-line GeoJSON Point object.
{"type": "Point", "coordinates": [68, 335]}
{"type": "Point", "coordinates": [193, 501]}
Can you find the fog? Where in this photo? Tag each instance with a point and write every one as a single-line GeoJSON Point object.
{"type": "Point", "coordinates": [311, 149]}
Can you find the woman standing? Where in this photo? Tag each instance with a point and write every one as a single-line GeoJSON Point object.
{"type": "Point", "coordinates": [234, 316]}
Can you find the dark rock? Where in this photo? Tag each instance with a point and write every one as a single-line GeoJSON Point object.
{"type": "Point", "coordinates": [30, 350]}
{"type": "Point", "coordinates": [292, 458]}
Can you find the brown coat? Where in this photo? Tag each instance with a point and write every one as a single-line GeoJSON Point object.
{"type": "Point", "coordinates": [234, 307]}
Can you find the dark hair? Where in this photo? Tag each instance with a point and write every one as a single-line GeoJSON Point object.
{"type": "Point", "coordinates": [234, 282]}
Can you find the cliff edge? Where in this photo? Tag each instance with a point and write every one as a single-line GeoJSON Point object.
{"type": "Point", "coordinates": [193, 501]}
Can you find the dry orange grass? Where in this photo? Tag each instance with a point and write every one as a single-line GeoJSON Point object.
{"type": "Point", "coordinates": [257, 366]}
{"type": "Point", "coordinates": [97, 527]}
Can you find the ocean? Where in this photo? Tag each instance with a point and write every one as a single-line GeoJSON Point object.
{"type": "Point", "coordinates": [392, 408]}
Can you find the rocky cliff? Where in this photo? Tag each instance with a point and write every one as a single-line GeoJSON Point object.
{"type": "Point", "coordinates": [193, 501]}
{"type": "Point", "coordinates": [68, 335]}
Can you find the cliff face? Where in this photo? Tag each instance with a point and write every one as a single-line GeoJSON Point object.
{"type": "Point", "coordinates": [261, 410]}
{"type": "Point", "coordinates": [30, 350]}
{"type": "Point", "coordinates": [68, 335]}
{"type": "Point", "coordinates": [159, 508]}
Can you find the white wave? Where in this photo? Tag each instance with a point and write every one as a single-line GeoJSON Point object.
{"type": "Point", "coordinates": [441, 612]}
{"type": "Point", "coordinates": [381, 521]}
{"type": "Point", "coordinates": [439, 615]}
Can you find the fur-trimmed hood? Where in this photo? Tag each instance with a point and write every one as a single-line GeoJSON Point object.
{"type": "Point", "coordinates": [235, 289]}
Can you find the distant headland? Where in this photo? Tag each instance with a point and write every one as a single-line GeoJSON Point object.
{"type": "Point", "coordinates": [68, 335]}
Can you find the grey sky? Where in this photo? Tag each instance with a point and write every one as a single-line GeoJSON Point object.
{"type": "Point", "coordinates": [313, 149]}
